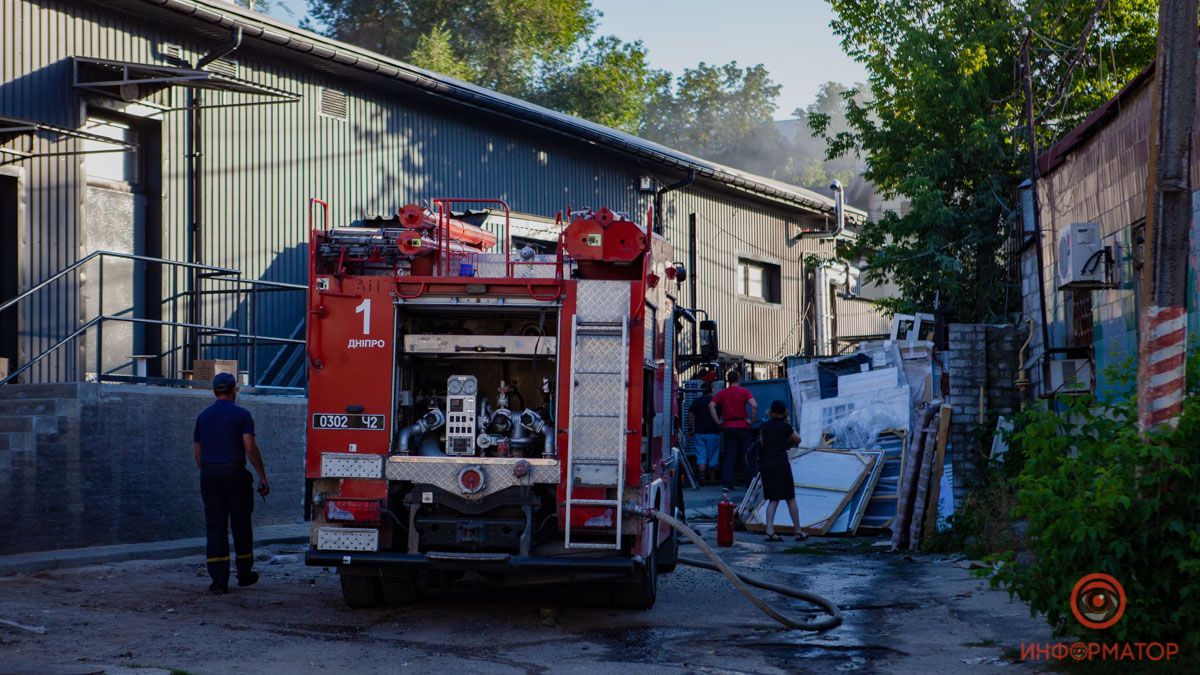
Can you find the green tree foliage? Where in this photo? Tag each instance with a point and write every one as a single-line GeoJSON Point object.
{"type": "Point", "coordinates": [500, 44]}
{"type": "Point", "coordinates": [717, 112]}
{"type": "Point", "coordinates": [607, 84]}
{"type": "Point", "coordinates": [546, 51]}
{"type": "Point", "coordinates": [941, 125]}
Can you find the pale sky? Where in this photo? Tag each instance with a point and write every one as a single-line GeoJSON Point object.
{"type": "Point", "coordinates": [790, 37]}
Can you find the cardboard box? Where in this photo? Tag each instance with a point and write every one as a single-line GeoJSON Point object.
{"type": "Point", "coordinates": [204, 370]}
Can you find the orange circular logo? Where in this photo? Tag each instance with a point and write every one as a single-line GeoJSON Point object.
{"type": "Point", "coordinates": [1098, 601]}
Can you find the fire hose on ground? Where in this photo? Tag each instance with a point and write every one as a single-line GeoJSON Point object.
{"type": "Point", "coordinates": [742, 582]}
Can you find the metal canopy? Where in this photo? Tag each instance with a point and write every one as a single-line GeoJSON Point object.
{"type": "Point", "coordinates": [130, 81]}
{"type": "Point", "coordinates": [10, 127]}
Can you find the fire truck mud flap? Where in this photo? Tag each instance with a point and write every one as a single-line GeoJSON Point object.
{"type": "Point", "coordinates": [475, 562]}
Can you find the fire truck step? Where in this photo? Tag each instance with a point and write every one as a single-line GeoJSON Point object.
{"type": "Point", "coordinates": [599, 372]}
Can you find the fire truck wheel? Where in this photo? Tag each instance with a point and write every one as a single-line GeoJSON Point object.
{"type": "Point", "coordinates": [401, 590]}
{"type": "Point", "coordinates": [361, 591]}
{"type": "Point", "coordinates": [641, 591]}
{"type": "Point", "coordinates": [668, 552]}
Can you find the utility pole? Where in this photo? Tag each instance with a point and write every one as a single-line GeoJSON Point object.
{"type": "Point", "coordinates": [1031, 130]}
{"type": "Point", "coordinates": [1162, 352]}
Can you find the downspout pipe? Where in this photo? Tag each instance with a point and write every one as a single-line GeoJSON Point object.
{"type": "Point", "coordinates": [839, 208]}
{"type": "Point", "coordinates": [195, 200]}
{"type": "Point", "coordinates": [658, 195]}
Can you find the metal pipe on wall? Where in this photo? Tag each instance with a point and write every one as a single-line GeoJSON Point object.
{"type": "Point", "coordinates": [195, 198]}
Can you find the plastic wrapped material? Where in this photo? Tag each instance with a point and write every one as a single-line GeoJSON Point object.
{"type": "Point", "coordinates": [858, 420]}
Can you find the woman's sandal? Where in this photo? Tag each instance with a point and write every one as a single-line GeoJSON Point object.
{"type": "Point", "coordinates": [800, 536]}
{"type": "Point", "coordinates": [774, 537]}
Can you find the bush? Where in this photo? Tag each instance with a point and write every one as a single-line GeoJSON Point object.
{"type": "Point", "coordinates": [1099, 497]}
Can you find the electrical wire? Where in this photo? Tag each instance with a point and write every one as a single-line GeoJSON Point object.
{"type": "Point", "coordinates": [741, 582]}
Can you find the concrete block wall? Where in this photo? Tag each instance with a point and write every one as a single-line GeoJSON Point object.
{"type": "Point", "coordinates": [979, 358]}
{"type": "Point", "coordinates": [97, 464]}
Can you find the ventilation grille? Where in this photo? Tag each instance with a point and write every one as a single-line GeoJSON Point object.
{"type": "Point", "coordinates": [334, 104]}
{"type": "Point", "coordinates": [173, 51]}
{"type": "Point", "coordinates": [224, 67]}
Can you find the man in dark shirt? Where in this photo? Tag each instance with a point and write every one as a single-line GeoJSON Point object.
{"type": "Point", "coordinates": [222, 441]}
{"type": "Point", "coordinates": [707, 435]}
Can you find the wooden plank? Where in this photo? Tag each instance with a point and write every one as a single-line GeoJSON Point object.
{"type": "Point", "coordinates": [935, 478]}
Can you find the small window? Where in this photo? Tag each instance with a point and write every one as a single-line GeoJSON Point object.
{"type": "Point", "coordinates": [758, 280]}
{"type": "Point", "coordinates": [107, 161]}
{"type": "Point", "coordinates": [334, 104]}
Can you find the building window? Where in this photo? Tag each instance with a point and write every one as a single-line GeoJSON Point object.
{"type": "Point", "coordinates": [758, 280]}
{"type": "Point", "coordinates": [106, 161]}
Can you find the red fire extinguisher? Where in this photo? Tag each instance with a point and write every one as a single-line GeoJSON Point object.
{"type": "Point", "coordinates": [725, 521]}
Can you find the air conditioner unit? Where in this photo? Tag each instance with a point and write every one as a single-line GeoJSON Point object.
{"type": "Point", "coordinates": [1083, 261]}
{"type": "Point", "coordinates": [1069, 376]}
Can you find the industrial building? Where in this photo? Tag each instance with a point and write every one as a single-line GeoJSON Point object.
{"type": "Point", "coordinates": [190, 137]}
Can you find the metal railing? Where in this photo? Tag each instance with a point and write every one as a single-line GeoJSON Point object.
{"type": "Point", "coordinates": [236, 338]}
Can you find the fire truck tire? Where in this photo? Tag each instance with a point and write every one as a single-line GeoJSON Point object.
{"type": "Point", "coordinates": [402, 590]}
{"type": "Point", "coordinates": [641, 591]}
{"type": "Point", "coordinates": [668, 552]}
{"type": "Point", "coordinates": [361, 591]}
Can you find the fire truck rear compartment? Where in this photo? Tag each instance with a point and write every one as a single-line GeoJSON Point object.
{"type": "Point", "coordinates": [478, 383]}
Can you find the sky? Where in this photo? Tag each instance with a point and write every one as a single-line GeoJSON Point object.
{"type": "Point", "coordinates": [791, 38]}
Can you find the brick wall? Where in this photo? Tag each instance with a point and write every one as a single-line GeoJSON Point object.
{"type": "Point", "coordinates": [979, 357]}
{"type": "Point", "coordinates": [89, 464]}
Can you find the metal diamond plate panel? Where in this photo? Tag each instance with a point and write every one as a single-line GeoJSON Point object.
{"type": "Point", "coordinates": [347, 539]}
{"type": "Point", "coordinates": [344, 465]}
{"type": "Point", "coordinates": [600, 395]}
{"type": "Point", "coordinates": [597, 438]}
{"type": "Point", "coordinates": [602, 300]}
{"type": "Point", "coordinates": [497, 473]}
{"type": "Point", "coordinates": [599, 353]}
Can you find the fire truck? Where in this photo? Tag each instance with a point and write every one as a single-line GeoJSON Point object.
{"type": "Point", "coordinates": [499, 414]}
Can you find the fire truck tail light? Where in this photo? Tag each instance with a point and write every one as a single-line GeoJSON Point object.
{"type": "Point", "coordinates": [353, 510]}
{"type": "Point", "coordinates": [470, 479]}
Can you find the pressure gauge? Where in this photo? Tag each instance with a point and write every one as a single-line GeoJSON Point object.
{"type": "Point", "coordinates": [454, 386]}
{"type": "Point", "coordinates": [469, 387]}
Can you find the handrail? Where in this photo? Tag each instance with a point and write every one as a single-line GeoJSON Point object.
{"type": "Point", "coordinates": [250, 286]}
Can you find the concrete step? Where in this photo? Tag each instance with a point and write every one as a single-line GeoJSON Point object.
{"type": "Point", "coordinates": [28, 391]}
{"type": "Point", "coordinates": [28, 406]}
{"type": "Point", "coordinates": [16, 423]}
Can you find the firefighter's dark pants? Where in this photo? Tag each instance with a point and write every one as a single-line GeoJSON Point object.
{"type": "Point", "coordinates": [228, 492]}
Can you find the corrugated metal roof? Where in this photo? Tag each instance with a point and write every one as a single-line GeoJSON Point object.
{"type": "Point", "coordinates": [258, 27]}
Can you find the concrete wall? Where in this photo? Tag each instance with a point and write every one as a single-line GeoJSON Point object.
{"type": "Point", "coordinates": [90, 464]}
{"type": "Point", "coordinates": [979, 358]}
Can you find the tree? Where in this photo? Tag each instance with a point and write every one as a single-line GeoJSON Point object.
{"type": "Point", "coordinates": [609, 84]}
{"type": "Point", "coordinates": [941, 126]}
{"type": "Point", "coordinates": [717, 112]}
{"type": "Point", "coordinates": [499, 44]}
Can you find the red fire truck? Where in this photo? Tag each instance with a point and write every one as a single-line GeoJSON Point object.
{"type": "Point", "coordinates": [479, 410]}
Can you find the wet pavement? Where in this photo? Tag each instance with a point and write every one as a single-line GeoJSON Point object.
{"type": "Point", "coordinates": [917, 613]}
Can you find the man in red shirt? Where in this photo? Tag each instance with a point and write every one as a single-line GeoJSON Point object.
{"type": "Point", "coordinates": [728, 409]}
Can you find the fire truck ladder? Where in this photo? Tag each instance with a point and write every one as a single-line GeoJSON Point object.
{"type": "Point", "coordinates": [598, 400]}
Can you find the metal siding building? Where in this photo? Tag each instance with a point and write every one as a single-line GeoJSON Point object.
{"type": "Point", "coordinates": [406, 135]}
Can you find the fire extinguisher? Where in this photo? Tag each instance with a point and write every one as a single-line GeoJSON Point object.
{"type": "Point", "coordinates": [725, 521]}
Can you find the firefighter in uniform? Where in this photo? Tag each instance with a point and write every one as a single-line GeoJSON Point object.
{"type": "Point", "coordinates": [223, 440]}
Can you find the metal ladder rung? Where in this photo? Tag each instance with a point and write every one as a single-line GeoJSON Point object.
{"type": "Point", "coordinates": [595, 545]}
{"type": "Point", "coordinates": [596, 502]}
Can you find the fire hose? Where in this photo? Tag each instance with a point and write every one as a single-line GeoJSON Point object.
{"type": "Point", "coordinates": [742, 582]}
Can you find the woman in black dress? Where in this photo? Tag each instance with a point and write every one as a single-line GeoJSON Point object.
{"type": "Point", "coordinates": [778, 485]}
